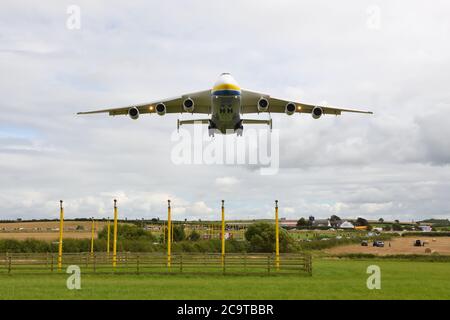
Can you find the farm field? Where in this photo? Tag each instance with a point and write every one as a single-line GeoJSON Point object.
{"type": "Point", "coordinates": [332, 279]}
{"type": "Point", "coordinates": [47, 236]}
{"type": "Point", "coordinates": [48, 230]}
{"type": "Point", "coordinates": [399, 245]}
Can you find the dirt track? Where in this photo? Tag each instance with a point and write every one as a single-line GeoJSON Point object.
{"type": "Point", "coordinates": [398, 246]}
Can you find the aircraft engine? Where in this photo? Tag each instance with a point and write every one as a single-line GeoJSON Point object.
{"type": "Point", "coordinates": [161, 109]}
{"type": "Point", "coordinates": [133, 113]}
{"type": "Point", "coordinates": [263, 104]}
{"type": "Point", "coordinates": [290, 109]}
{"type": "Point", "coordinates": [317, 112]}
{"type": "Point", "coordinates": [188, 105]}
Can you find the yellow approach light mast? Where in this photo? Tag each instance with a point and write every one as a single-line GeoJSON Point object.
{"type": "Point", "coordinates": [61, 227]}
{"type": "Point", "coordinates": [92, 236]}
{"type": "Point", "coordinates": [115, 235]}
{"type": "Point", "coordinates": [223, 232]}
{"type": "Point", "coordinates": [169, 233]}
{"type": "Point", "coordinates": [277, 238]}
{"type": "Point", "coordinates": [108, 229]}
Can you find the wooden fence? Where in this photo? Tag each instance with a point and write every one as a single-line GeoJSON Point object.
{"type": "Point", "coordinates": [156, 263]}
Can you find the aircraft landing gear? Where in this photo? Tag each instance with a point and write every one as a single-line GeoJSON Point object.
{"type": "Point", "coordinates": [211, 128]}
{"type": "Point", "coordinates": [239, 131]}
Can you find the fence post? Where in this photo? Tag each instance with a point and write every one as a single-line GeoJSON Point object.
{"type": "Point", "coordinates": [310, 265]}
{"type": "Point", "coordinates": [95, 260]}
{"type": "Point", "coordinates": [245, 263]}
{"type": "Point", "coordinates": [9, 264]}
{"type": "Point", "coordinates": [137, 264]}
{"type": "Point", "coordinates": [181, 263]}
{"type": "Point", "coordinates": [51, 264]}
{"type": "Point", "coordinates": [223, 263]}
{"type": "Point", "coordinates": [268, 264]}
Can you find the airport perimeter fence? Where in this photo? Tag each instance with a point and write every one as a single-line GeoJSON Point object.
{"type": "Point", "coordinates": [157, 263]}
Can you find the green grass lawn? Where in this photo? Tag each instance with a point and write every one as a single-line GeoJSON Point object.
{"type": "Point", "coordinates": [332, 279]}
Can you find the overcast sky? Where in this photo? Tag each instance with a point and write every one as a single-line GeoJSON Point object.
{"type": "Point", "coordinates": [389, 57]}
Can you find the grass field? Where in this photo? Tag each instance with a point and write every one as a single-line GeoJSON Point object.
{"type": "Point", "coordinates": [332, 279]}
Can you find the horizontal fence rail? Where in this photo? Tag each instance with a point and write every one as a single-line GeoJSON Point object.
{"type": "Point", "coordinates": [157, 263]}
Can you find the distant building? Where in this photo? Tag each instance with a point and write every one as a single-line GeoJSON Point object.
{"type": "Point", "coordinates": [321, 223]}
{"type": "Point", "coordinates": [425, 228]}
{"type": "Point", "coordinates": [287, 223]}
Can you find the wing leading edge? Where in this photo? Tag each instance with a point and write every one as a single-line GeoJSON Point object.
{"type": "Point", "coordinates": [250, 105]}
{"type": "Point", "coordinates": [202, 101]}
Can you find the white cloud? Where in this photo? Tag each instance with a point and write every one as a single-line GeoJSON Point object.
{"type": "Point", "coordinates": [226, 183]}
{"type": "Point", "coordinates": [394, 163]}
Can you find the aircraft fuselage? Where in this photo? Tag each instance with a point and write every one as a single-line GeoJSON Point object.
{"type": "Point", "coordinates": [226, 106]}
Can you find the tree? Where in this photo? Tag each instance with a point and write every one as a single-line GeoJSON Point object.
{"type": "Point", "coordinates": [334, 221]}
{"type": "Point", "coordinates": [301, 223]}
{"type": "Point", "coordinates": [381, 220]}
{"type": "Point", "coordinates": [261, 238]}
{"type": "Point", "coordinates": [128, 232]}
{"type": "Point", "coordinates": [361, 222]}
{"type": "Point", "coordinates": [397, 227]}
{"type": "Point", "coordinates": [178, 233]}
{"type": "Point", "coordinates": [334, 218]}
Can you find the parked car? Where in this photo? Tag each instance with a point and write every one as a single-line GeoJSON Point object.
{"type": "Point", "coordinates": [364, 243]}
{"type": "Point", "coordinates": [378, 243]}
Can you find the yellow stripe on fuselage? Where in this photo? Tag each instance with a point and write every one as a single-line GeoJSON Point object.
{"type": "Point", "coordinates": [226, 86]}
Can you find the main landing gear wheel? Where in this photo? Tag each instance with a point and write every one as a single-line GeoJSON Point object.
{"type": "Point", "coordinates": [239, 131]}
{"type": "Point", "coordinates": [211, 131]}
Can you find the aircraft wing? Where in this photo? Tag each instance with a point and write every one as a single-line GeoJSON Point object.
{"type": "Point", "coordinates": [202, 104]}
{"type": "Point", "coordinates": [249, 102]}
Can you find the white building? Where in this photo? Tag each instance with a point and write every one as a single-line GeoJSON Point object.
{"type": "Point", "coordinates": [425, 228]}
{"type": "Point", "coordinates": [346, 225]}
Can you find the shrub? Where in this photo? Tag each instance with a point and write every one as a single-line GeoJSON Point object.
{"type": "Point", "coordinates": [194, 236]}
{"type": "Point", "coordinates": [261, 238]}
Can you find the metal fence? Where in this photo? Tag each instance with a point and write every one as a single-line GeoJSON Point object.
{"type": "Point", "coordinates": [157, 263]}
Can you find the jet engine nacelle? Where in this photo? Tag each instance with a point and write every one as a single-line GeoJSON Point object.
{"type": "Point", "coordinates": [263, 104]}
{"type": "Point", "coordinates": [290, 109]}
{"type": "Point", "coordinates": [188, 105]}
{"type": "Point", "coordinates": [161, 109]}
{"type": "Point", "coordinates": [317, 112]}
{"type": "Point", "coordinates": [133, 113]}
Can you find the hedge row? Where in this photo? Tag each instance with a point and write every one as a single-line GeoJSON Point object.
{"type": "Point", "coordinates": [426, 234]}
{"type": "Point", "coordinates": [407, 257]}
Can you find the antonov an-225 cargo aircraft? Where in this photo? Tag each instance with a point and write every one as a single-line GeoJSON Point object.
{"type": "Point", "coordinates": [225, 102]}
